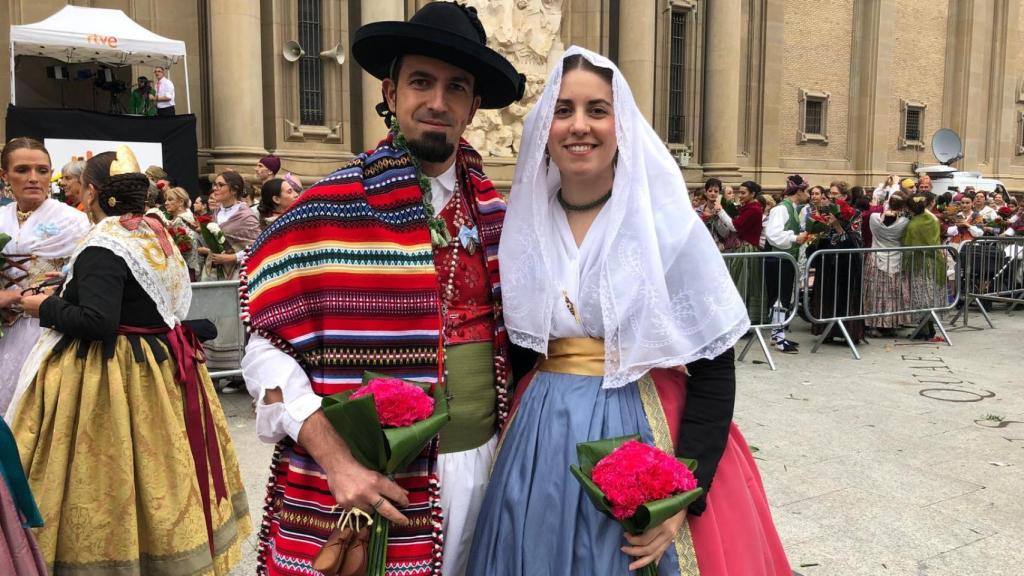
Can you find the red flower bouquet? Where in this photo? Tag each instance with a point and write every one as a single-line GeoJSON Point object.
{"type": "Point", "coordinates": [1005, 212]}
{"type": "Point", "coordinates": [181, 238]}
{"type": "Point", "coordinates": [638, 485]}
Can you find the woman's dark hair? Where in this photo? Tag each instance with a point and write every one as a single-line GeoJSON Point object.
{"type": "Point", "coordinates": [271, 188]}
{"type": "Point", "coordinates": [824, 191]}
{"type": "Point", "coordinates": [117, 195]}
{"type": "Point", "coordinates": [754, 187]}
{"type": "Point", "coordinates": [578, 62]}
{"type": "Point", "coordinates": [205, 200]}
{"type": "Point", "coordinates": [859, 199]}
{"type": "Point", "coordinates": [21, 143]}
{"type": "Point", "coordinates": [897, 203]}
{"type": "Point", "coordinates": [918, 204]}
{"type": "Point", "coordinates": [235, 183]}
{"type": "Point", "coordinates": [713, 183]}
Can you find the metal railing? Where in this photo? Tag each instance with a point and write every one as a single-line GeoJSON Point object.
{"type": "Point", "coordinates": [991, 270]}
{"type": "Point", "coordinates": [761, 279]}
{"type": "Point", "coordinates": [914, 280]}
{"type": "Point", "coordinates": [213, 301]}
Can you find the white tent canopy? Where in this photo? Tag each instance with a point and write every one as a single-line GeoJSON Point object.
{"type": "Point", "coordinates": [78, 34]}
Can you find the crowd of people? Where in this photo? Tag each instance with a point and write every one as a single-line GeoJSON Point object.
{"type": "Point", "coordinates": [118, 453]}
{"type": "Point", "coordinates": [884, 284]}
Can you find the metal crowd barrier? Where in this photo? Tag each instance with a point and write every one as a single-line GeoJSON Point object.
{"type": "Point", "coordinates": [991, 270]}
{"type": "Point", "coordinates": [213, 301]}
{"type": "Point", "coordinates": [761, 278]}
{"type": "Point", "coordinates": [916, 280]}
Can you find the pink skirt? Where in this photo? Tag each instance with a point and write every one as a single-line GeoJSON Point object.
{"type": "Point", "coordinates": [18, 551]}
{"type": "Point", "coordinates": [735, 536]}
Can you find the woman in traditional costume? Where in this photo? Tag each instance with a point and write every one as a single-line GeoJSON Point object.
{"type": "Point", "coordinates": [611, 276]}
{"type": "Point", "coordinates": [119, 429]}
{"type": "Point", "coordinates": [747, 272]}
{"type": "Point", "coordinates": [837, 277]}
{"type": "Point", "coordinates": [240, 227]}
{"type": "Point", "coordinates": [885, 285]}
{"type": "Point", "coordinates": [926, 268]}
{"type": "Point", "coordinates": [43, 232]}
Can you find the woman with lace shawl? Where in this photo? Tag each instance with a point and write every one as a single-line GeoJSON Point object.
{"type": "Point", "coordinates": [607, 272]}
{"type": "Point", "coordinates": [42, 234]}
{"type": "Point", "coordinates": [119, 429]}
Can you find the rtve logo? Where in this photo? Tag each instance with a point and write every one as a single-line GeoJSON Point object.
{"type": "Point", "coordinates": [108, 41]}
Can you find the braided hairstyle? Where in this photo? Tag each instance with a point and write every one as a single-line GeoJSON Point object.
{"type": "Point", "coordinates": [117, 195]}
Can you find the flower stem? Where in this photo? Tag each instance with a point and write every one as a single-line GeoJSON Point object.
{"type": "Point", "coordinates": [378, 547]}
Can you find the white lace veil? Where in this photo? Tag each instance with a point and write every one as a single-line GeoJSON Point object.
{"type": "Point", "coordinates": [665, 294]}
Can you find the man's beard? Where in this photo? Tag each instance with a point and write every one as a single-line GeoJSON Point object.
{"type": "Point", "coordinates": [431, 147]}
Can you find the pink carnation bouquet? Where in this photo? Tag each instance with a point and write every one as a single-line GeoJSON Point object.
{"type": "Point", "coordinates": [634, 483]}
{"type": "Point", "coordinates": [398, 403]}
{"type": "Point", "coordinates": [387, 423]}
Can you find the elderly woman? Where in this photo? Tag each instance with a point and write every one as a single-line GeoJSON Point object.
{"type": "Point", "coordinates": [181, 219]}
{"type": "Point", "coordinates": [43, 233]}
{"type": "Point", "coordinates": [71, 184]}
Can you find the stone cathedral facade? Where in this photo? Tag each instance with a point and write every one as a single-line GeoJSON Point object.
{"type": "Point", "coordinates": [738, 89]}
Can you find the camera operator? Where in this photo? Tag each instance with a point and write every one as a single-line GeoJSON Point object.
{"type": "Point", "coordinates": [164, 92]}
{"type": "Point", "coordinates": [142, 100]}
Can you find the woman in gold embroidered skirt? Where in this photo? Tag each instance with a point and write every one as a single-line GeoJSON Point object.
{"type": "Point", "coordinates": [119, 429]}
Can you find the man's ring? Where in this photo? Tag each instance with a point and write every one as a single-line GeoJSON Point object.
{"type": "Point", "coordinates": [378, 503]}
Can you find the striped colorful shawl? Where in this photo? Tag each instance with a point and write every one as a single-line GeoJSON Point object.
{"type": "Point", "coordinates": [345, 282]}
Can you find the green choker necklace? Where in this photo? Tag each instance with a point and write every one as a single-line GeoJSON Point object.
{"type": "Point", "coordinates": [581, 207]}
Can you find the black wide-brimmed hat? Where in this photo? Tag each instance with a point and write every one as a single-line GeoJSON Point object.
{"type": "Point", "coordinates": [449, 32]}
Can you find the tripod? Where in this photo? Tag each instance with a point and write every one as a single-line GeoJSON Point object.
{"type": "Point", "coordinates": [116, 107]}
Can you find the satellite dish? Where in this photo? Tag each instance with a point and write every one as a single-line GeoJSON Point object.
{"type": "Point", "coordinates": [946, 146]}
{"type": "Point", "coordinates": [292, 51]}
{"type": "Point", "coordinates": [337, 54]}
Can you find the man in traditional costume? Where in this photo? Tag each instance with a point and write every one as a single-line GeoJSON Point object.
{"type": "Point", "coordinates": [388, 265]}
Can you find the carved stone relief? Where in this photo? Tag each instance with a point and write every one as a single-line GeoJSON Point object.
{"type": "Point", "coordinates": [527, 32]}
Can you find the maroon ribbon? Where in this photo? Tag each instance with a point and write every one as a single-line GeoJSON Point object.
{"type": "Point", "coordinates": [202, 436]}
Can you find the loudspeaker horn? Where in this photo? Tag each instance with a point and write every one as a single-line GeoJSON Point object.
{"type": "Point", "coordinates": [292, 51]}
{"type": "Point", "coordinates": [337, 54]}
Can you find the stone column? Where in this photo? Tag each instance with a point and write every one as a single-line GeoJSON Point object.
{"type": "Point", "coordinates": [373, 125]}
{"type": "Point", "coordinates": [237, 130]}
{"type": "Point", "coordinates": [721, 89]}
{"type": "Point", "coordinates": [637, 23]}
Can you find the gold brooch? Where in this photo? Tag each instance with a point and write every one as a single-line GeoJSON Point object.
{"type": "Point", "coordinates": [111, 201]}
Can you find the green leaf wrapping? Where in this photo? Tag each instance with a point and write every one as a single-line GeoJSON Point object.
{"type": "Point", "coordinates": [211, 240]}
{"type": "Point", "coordinates": [385, 450]}
{"type": "Point", "coordinates": [648, 515]}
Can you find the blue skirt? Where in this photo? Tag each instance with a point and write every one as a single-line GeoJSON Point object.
{"type": "Point", "coordinates": [535, 518]}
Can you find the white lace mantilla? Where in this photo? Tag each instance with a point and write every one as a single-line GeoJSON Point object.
{"type": "Point", "coordinates": [652, 283]}
{"type": "Point", "coordinates": [164, 278]}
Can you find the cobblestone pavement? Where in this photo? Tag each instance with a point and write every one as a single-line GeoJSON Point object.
{"type": "Point", "coordinates": [907, 462]}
